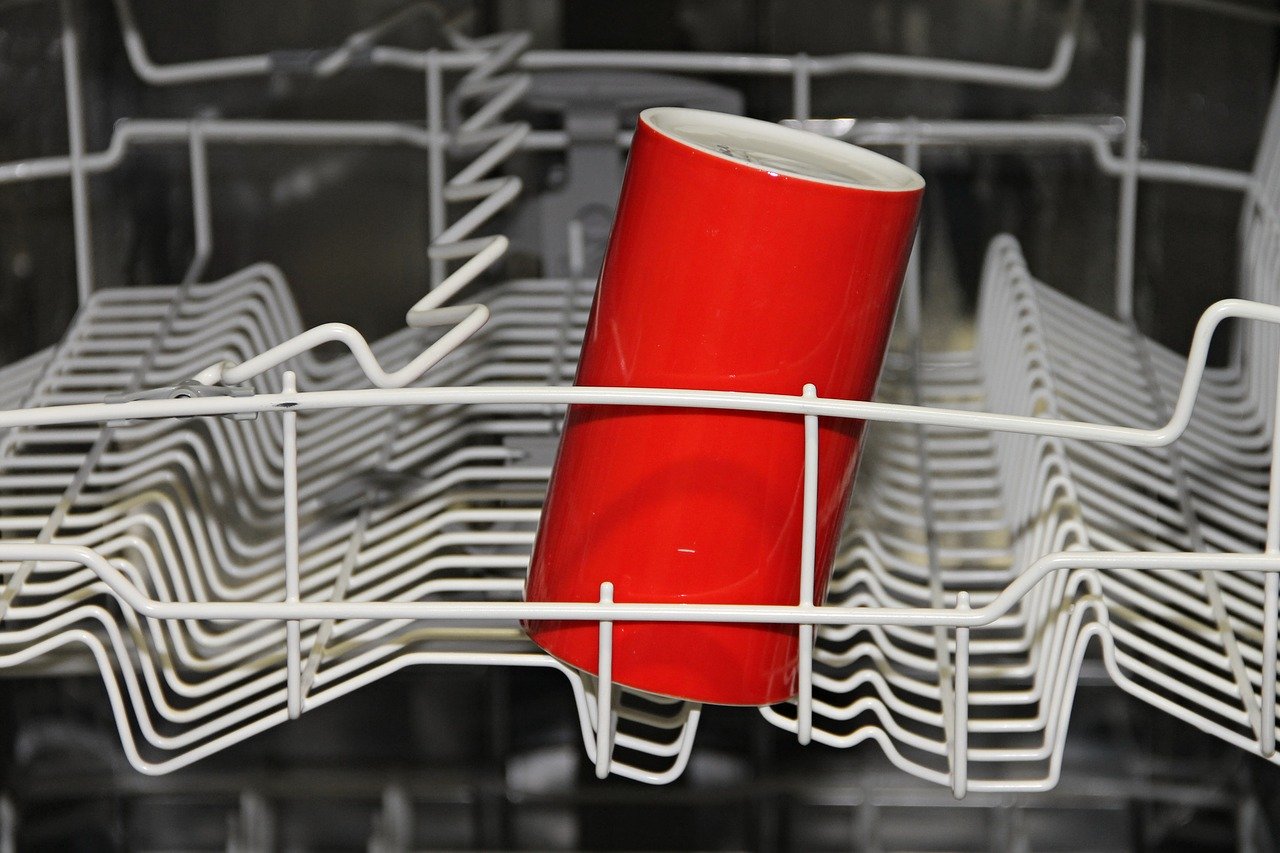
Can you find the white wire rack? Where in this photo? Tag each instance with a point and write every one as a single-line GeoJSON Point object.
{"type": "Point", "coordinates": [177, 491]}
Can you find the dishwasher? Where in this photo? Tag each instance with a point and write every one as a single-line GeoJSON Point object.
{"type": "Point", "coordinates": [293, 296]}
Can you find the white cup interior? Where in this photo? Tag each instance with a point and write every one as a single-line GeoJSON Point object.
{"type": "Point", "coordinates": [782, 150]}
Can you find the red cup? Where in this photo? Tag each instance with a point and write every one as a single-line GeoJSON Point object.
{"type": "Point", "coordinates": [745, 256]}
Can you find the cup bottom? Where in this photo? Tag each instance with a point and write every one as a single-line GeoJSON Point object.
{"type": "Point", "coordinates": [744, 665]}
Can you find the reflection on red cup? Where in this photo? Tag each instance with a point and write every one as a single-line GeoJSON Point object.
{"type": "Point", "coordinates": [745, 256]}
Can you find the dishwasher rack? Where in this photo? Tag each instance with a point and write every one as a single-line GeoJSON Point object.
{"type": "Point", "coordinates": [178, 496]}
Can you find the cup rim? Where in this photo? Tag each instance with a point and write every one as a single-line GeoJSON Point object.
{"type": "Point", "coordinates": [833, 161]}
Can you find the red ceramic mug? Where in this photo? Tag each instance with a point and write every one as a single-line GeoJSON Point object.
{"type": "Point", "coordinates": [745, 256]}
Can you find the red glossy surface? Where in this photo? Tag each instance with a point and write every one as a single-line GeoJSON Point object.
{"type": "Point", "coordinates": [719, 276]}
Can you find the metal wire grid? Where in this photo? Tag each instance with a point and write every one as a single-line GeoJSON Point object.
{"type": "Point", "coordinates": [992, 504]}
{"type": "Point", "coordinates": [462, 523]}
